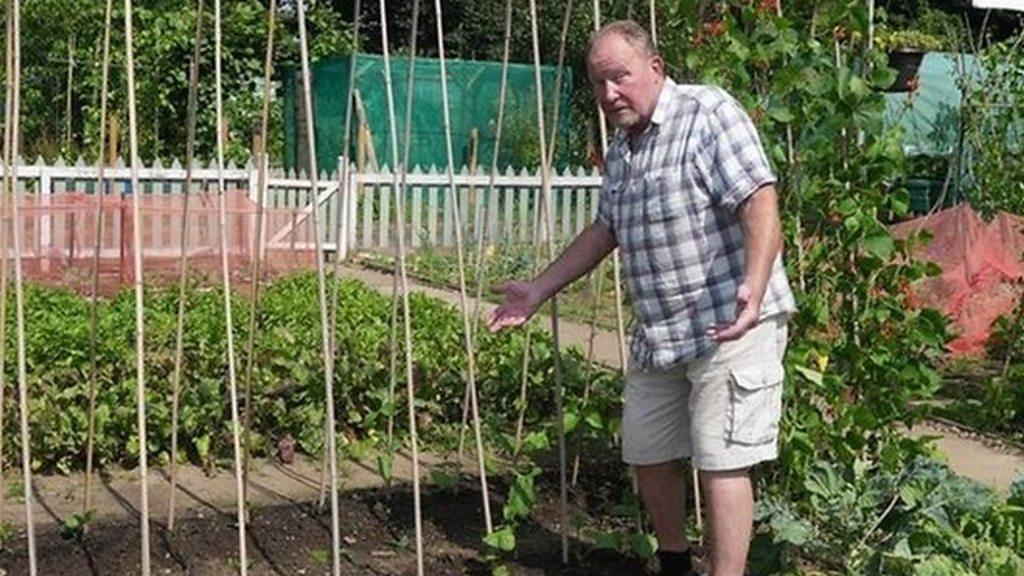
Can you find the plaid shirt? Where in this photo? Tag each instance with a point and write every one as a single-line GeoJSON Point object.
{"type": "Point", "coordinates": [671, 203]}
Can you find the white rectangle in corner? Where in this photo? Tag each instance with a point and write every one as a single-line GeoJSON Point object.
{"type": "Point", "coordinates": [1017, 5]}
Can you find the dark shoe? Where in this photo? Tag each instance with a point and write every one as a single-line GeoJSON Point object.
{"type": "Point", "coordinates": [675, 563]}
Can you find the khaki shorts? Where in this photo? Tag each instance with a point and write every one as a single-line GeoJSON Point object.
{"type": "Point", "coordinates": [722, 410]}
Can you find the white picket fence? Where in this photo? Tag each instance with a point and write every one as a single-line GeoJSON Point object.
{"type": "Point", "coordinates": [366, 220]}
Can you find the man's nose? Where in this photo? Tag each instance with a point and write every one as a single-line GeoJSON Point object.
{"type": "Point", "coordinates": [607, 91]}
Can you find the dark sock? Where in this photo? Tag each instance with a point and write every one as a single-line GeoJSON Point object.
{"type": "Point", "coordinates": [675, 563]}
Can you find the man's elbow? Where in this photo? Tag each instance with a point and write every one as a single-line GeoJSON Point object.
{"type": "Point", "coordinates": [603, 236]}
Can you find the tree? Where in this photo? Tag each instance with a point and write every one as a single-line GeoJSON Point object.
{"type": "Point", "coordinates": [164, 38]}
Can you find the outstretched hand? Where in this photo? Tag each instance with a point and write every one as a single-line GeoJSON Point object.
{"type": "Point", "coordinates": [521, 302]}
{"type": "Point", "coordinates": [748, 312]}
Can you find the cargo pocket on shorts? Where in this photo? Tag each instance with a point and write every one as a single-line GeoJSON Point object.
{"type": "Point", "coordinates": [755, 403]}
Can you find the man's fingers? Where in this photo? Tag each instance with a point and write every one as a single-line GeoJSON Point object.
{"type": "Point", "coordinates": [735, 330]}
{"type": "Point", "coordinates": [501, 320]}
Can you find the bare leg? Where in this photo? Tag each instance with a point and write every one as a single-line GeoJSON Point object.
{"type": "Point", "coordinates": [730, 512]}
{"type": "Point", "coordinates": [662, 488]}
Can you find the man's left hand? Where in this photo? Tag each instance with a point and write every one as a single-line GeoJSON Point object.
{"type": "Point", "coordinates": [748, 311]}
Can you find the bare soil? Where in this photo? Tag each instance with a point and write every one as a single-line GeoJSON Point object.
{"type": "Point", "coordinates": [288, 534]}
{"type": "Point", "coordinates": [295, 539]}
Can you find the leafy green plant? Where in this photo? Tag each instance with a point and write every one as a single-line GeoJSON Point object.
{"type": "Point", "coordinates": [992, 398]}
{"type": "Point", "coordinates": [892, 40]}
{"type": "Point", "coordinates": [862, 520]}
{"type": "Point", "coordinates": [76, 524]}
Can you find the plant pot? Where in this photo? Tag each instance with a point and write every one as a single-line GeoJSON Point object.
{"type": "Point", "coordinates": [906, 64]}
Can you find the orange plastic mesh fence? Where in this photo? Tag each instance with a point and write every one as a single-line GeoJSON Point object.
{"type": "Point", "coordinates": [59, 238]}
{"type": "Point", "coordinates": [982, 269]}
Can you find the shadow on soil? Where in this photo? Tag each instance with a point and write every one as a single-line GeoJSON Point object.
{"type": "Point", "coordinates": [378, 538]}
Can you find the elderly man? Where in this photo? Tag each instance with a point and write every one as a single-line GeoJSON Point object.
{"type": "Point", "coordinates": [688, 196]}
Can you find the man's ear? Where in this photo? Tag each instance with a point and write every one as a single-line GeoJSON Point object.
{"type": "Point", "coordinates": [658, 65]}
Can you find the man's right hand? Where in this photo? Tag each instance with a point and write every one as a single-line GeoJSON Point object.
{"type": "Point", "coordinates": [521, 302]}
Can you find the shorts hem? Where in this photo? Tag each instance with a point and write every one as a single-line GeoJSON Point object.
{"type": "Point", "coordinates": [746, 459]}
{"type": "Point", "coordinates": [656, 459]}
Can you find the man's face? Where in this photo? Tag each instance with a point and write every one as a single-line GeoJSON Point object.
{"type": "Point", "coordinates": [626, 82]}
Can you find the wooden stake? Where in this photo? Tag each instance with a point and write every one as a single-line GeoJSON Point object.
{"type": "Point", "coordinates": [140, 339]}
{"type": "Point", "coordinates": [6, 193]}
{"type": "Point", "coordinates": [19, 293]}
{"type": "Point", "coordinates": [263, 165]}
{"type": "Point", "coordinates": [325, 337]}
{"type": "Point", "coordinates": [399, 219]}
{"type": "Point", "coordinates": [229, 326]}
{"type": "Point", "coordinates": [97, 247]}
{"type": "Point", "coordinates": [467, 330]}
{"type": "Point", "coordinates": [406, 319]}
{"type": "Point", "coordinates": [556, 352]}
{"type": "Point", "coordinates": [179, 340]}
{"type": "Point", "coordinates": [481, 252]}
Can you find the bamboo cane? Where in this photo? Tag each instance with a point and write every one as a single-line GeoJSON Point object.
{"type": "Point", "coordinates": [140, 339]}
{"type": "Point", "coordinates": [97, 246]}
{"type": "Point", "coordinates": [620, 325]}
{"type": "Point", "coordinates": [652, 12]}
{"type": "Point", "coordinates": [597, 280]}
{"type": "Point", "coordinates": [481, 254]}
{"type": "Point", "coordinates": [343, 183]}
{"type": "Point", "coordinates": [539, 226]}
{"type": "Point", "coordinates": [325, 337]}
{"type": "Point", "coordinates": [263, 161]}
{"type": "Point", "coordinates": [556, 352]}
{"type": "Point", "coordinates": [236, 432]}
{"type": "Point", "coordinates": [19, 293]}
{"type": "Point", "coordinates": [179, 340]}
{"type": "Point", "coordinates": [94, 307]}
{"type": "Point", "coordinates": [406, 320]}
{"type": "Point", "coordinates": [399, 219]}
{"type": "Point", "coordinates": [7, 188]}
{"type": "Point", "coordinates": [463, 299]}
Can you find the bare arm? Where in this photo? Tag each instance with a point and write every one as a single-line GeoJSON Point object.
{"type": "Point", "coordinates": [581, 256]}
{"type": "Point", "coordinates": [762, 240]}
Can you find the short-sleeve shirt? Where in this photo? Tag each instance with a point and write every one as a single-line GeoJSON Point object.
{"type": "Point", "coordinates": [672, 203]}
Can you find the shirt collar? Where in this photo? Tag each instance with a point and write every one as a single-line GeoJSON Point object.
{"type": "Point", "coordinates": [661, 109]}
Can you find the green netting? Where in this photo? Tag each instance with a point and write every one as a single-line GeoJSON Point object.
{"type": "Point", "coordinates": [930, 115]}
{"type": "Point", "coordinates": [473, 89]}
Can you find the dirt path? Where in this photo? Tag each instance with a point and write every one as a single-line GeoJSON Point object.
{"type": "Point", "coordinates": [992, 463]}
{"type": "Point", "coordinates": [572, 334]}
{"type": "Point", "coordinates": [994, 466]}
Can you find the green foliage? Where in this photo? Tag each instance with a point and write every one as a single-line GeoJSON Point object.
{"type": "Point", "coordinates": [992, 398]}
{"type": "Point", "coordinates": [919, 27]}
{"type": "Point", "coordinates": [288, 387]}
{"type": "Point", "coordinates": [163, 44]}
{"type": "Point", "coordinates": [860, 355]}
{"type": "Point", "coordinates": [906, 40]}
{"type": "Point", "coordinates": [993, 128]}
{"type": "Point", "coordinates": [75, 525]}
{"type": "Point", "coordinates": [921, 519]}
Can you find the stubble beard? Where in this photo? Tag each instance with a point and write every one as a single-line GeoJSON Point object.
{"type": "Point", "coordinates": [624, 120]}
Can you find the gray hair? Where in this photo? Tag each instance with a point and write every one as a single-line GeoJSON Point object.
{"type": "Point", "coordinates": [630, 31]}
